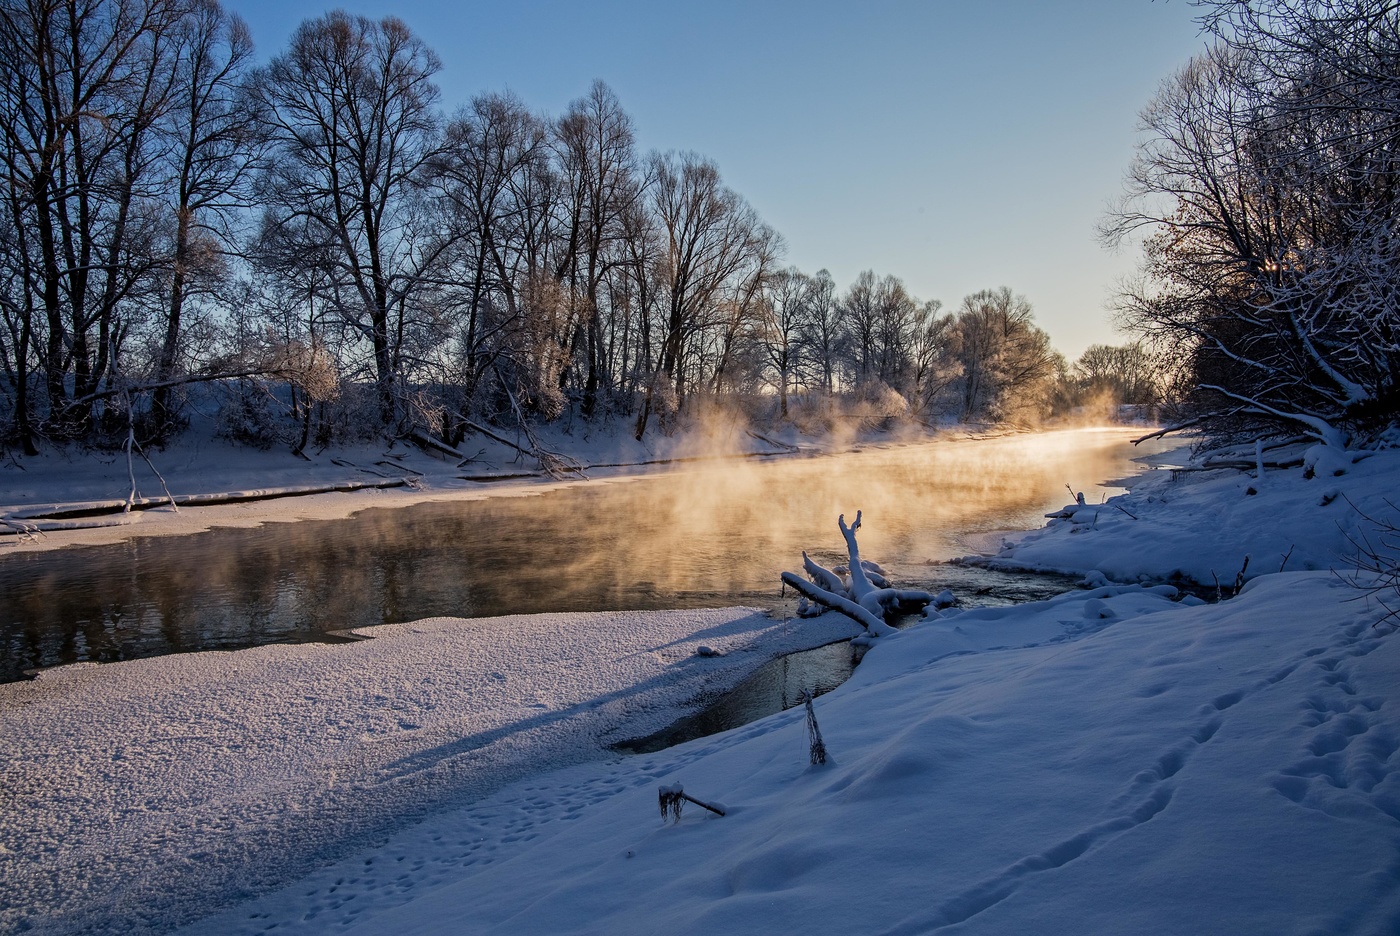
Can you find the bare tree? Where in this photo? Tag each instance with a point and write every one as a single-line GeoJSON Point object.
{"type": "Point", "coordinates": [786, 309]}
{"type": "Point", "coordinates": [823, 331]}
{"type": "Point", "coordinates": [932, 366]}
{"type": "Point", "coordinates": [213, 131]}
{"type": "Point", "coordinates": [1123, 373]}
{"type": "Point", "coordinates": [738, 357]}
{"type": "Point", "coordinates": [860, 312]}
{"type": "Point", "coordinates": [596, 157]}
{"type": "Point", "coordinates": [493, 172]}
{"type": "Point", "coordinates": [711, 239]}
{"type": "Point", "coordinates": [1006, 360]}
{"type": "Point", "coordinates": [1269, 181]}
{"type": "Point", "coordinates": [351, 105]}
{"type": "Point", "coordinates": [82, 84]}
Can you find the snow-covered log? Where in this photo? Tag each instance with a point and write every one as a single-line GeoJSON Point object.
{"type": "Point", "coordinates": [825, 578]}
{"type": "Point", "coordinates": [838, 602]}
{"type": "Point", "coordinates": [864, 595]}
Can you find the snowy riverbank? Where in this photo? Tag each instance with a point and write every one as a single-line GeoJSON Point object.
{"type": "Point", "coordinates": [1111, 761]}
{"type": "Point", "coordinates": [142, 794]}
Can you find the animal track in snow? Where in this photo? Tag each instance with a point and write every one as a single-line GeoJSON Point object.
{"type": "Point", "coordinates": [1347, 750]}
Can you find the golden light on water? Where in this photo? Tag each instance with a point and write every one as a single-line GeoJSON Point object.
{"type": "Point", "coordinates": [709, 534]}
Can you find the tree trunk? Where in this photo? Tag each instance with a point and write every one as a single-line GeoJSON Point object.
{"type": "Point", "coordinates": [160, 402]}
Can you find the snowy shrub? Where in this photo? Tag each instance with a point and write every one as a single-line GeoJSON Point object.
{"type": "Point", "coordinates": [1374, 568]}
{"type": "Point", "coordinates": [877, 403]}
{"type": "Point", "coordinates": [251, 416]}
{"type": "Point", "coordinates": [812, 413]}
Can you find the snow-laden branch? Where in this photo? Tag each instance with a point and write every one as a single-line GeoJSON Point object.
{"type": "Point", "coordinates": [838, 602]}
{"type": "Point", "coordinates": [1320, 428]}
{"type": "Point", "coordinates": [864, 595]}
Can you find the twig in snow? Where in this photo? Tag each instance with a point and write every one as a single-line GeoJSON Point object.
{"type": "Point", "coordinates": [131, 473]}
{"type": "Point", "coordinates": [1376, 571]}
{"type": "Point", "coordinates": [349, 464]}
{"type": "Point", "coordinates": [1285, 557]}
{"type": "Point", "coordinates": [1239, 576]}
{"type": "Point", "coordinates": [1134, 516]}
{"type": "Point", "coordinates": [673, 798]}
{"type": "Point", "coordinates": [816, 747]}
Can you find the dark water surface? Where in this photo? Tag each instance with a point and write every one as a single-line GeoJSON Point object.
{"type": "Point", "coordinates": [702, 537]}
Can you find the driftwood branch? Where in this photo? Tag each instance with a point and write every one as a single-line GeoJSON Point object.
{"type": "Point", "coordinates": [864, 595]}
{"type": "Point", "coordinates": [77, 516]}
{"type": "Point", "coordinates": [837, 603]}
{"type": "Point", "coordinates": [674, 797]}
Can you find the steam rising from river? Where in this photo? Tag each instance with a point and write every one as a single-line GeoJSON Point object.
{"type": "Point", "coordinates": [701, 534]}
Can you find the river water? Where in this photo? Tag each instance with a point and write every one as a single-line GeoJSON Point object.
{"type": "Point", "coordinates": [708, 536]}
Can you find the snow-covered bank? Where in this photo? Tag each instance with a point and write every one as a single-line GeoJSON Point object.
{"type": "Point", "coordinates": [135, 796]}
{"type": "Point", "coordinates": [1110, 762]}
{"type": "Point", "coordinates": [1200, 526]}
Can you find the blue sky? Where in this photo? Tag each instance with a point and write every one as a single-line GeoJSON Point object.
{"type": "Point", "coordinates": [958, 145]}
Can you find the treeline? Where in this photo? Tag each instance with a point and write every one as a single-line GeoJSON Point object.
{"type": "Point", "coordinates": [319, 240]}
{"type": "Point", "coordinates": [1269, 183]}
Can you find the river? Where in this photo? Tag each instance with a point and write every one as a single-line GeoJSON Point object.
{"type": "Point", "coordinates": [708, 536]}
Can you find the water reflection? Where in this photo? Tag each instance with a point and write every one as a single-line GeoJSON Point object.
{"type": "Point", "coordinates": [704, 537]}
{"type": "Point", "coordinates": [774, 687]}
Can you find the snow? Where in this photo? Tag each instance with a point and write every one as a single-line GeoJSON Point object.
{"type": "Point", "coordinates": [1114, 760]}
{"type": "Point", "coordinates": [134, 790]}
{"type": "Point", "coordinates": [1198, 527]}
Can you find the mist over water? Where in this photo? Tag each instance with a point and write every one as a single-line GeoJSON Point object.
{"type": "Point", "coordinates": [706, 536]}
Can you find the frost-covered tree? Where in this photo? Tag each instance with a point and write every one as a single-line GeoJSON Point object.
{"type": "Point", "coordinates": [1270, 191]}
{"type": "Point", "coordinates": [785, 310]}
{"type": "Point", "coordinates": [712, 242]}
{"type": "Point", "coordinates": [1121, 373]}
{"type": "Point", "coordinates": [822, 332]}
{"type": "Point", "coordinates": [83, 86]}
{"type": "Point", "coordinates": [214, 134]}
{"type": "Point", "coordinates": [493, 173]}
{"type": "Point", "coordinates": [1006, 361]}
{"type": "Point", "coordinates": [600, 180]}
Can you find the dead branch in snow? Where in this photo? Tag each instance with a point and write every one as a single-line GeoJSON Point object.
{"type": "Point", "coordinates": [790, 449]}
{"type": "Point", "coordinates": [674, 797]}
{"type": "Point", "coordinates": [554, 464]}
{"type": "Point", "coordinates": [864, 595]}
{"type": "Point", "coordinates": [432, 444]}
{"type": "Point", "coordinates": [1239, 576]}
{"type": "Point", "coordinates": [816, 746]}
